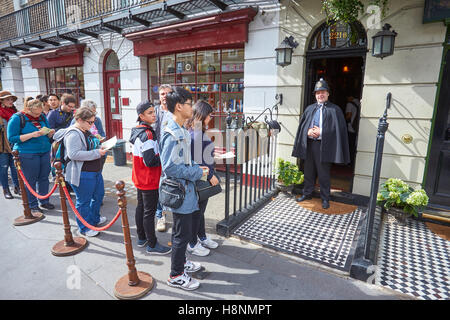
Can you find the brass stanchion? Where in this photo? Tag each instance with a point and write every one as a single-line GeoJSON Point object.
{"type": "Point", "coordinates": [27, 217]}
{"type": "Point", "coordinates": [68, 246]}
{"type": "Point", "coordinates": [135, 284]}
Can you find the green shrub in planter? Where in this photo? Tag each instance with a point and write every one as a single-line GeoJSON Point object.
{"type": "Point", "coordinates": [395, 193]}
{"type": "Point", "coordinates": [288, 173]}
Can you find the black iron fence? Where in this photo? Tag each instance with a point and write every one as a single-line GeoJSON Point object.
{"type": "Point", "coordinates": [249, 164]}
{"type": "Point", "coordinates": [50, 15]}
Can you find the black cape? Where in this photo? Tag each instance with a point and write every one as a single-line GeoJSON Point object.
{"type": "Point", "coordinates": [334, 146]}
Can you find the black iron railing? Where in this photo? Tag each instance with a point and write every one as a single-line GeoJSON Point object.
{"type": "Point", "coordinates": [250, 173]}
{"type": "Point", "coordinates": [50, 15]}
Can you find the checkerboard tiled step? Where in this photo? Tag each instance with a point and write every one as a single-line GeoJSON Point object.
{"type": "Point", "coordinates": [413, 260]}
{"type": "Point", "coordinates": [284, 225]}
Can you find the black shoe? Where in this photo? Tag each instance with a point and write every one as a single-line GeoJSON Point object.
{"type": "Point", "coordinates": [48, 206]}
{"type": "Point", "coordinates": [7, 194]}
{"type": "Point", "coordinates": [303, 198]}
{"type": "Point", "coordinates": [325, 204]}
{"type": "Point", "coordinates": [17, 191]}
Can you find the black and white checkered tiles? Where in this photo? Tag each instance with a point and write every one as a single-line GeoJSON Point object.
{"type": "Point", "coordinates": [284, 225]}
{"type": "Point", "coordinates": [413, 260]}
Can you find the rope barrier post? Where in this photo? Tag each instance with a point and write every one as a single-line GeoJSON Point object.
{"type": "Point", "coordinates": [69, 246]}
{"type": "Point", "coordinates": [27, 217]}
{"type": "Point", "coordinates": [135, 284]}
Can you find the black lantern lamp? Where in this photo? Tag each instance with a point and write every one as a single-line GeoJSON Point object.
{"type": "Point", "coordinates": [284, 51]}
{"type": "Point", "coordinates": [383, 42]}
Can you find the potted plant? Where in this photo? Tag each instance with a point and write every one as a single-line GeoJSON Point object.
{"type": "Point", "coordinates": [288, 174]}
{"type": "Point", "coordinates": [400, 199]}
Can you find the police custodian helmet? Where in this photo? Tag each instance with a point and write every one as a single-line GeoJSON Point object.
{"type": "Point", "coordinates": [321, 85]}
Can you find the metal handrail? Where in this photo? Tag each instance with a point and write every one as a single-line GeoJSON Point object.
{"type": "Point", "coordinates": [51, 15]}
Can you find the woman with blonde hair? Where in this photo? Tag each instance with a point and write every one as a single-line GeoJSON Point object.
{"type": "Point", "coordinates": [29, 131]}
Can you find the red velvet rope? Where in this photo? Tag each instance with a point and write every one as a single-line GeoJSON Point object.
{"type": "Point", "coordinates": [34, 192]}
{"type": "Point", "coordinates": [66, 192]}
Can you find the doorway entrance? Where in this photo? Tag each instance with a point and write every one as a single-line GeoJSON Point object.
{"type": "Point", "coordinates": [337, 54]}
{"type": "Point", "coordinates": [437, 183]}
{"type": "Point", "coordinates": [111, 85]}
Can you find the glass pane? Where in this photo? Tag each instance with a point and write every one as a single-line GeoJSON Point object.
{"type": "Point", "coordinates": [71, 77]}
{"type": "Point", "coordinates": [168, 69]}
{"type": "Point", "coordinates": [111, 80]}
{"type": "Point", "coordinates": [112, 100]}
{"type": "Point", "coordinates": [52, 82]}
{"type": "Point", "coordinates": [208, 66]}
{"type": "Point", "coordinates": [185, 66]}
{"type": "Point", "coordinates": [153, 77]}
{"type": "Point", "coordinates": [112, 62]}
{"type": "Point", "coordinates": [387, 43]}
{"type": "Point", "coordinates": [59, 77]}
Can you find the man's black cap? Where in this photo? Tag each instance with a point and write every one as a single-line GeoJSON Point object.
{"type": "Point", "coordinates": [141, 107]}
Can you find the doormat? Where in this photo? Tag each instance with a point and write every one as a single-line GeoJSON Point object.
{"type": "Point", "coordinates": [315, 204]}
{"type": "Point", "coordinates": [440, 230]}
{"type": "Point", "coordinates": [413, 260]}
{"type": "Point", "coordinates": [285, 226]}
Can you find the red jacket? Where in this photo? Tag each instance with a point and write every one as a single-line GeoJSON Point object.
{"type": "Point", "coordinates": [146, 163]}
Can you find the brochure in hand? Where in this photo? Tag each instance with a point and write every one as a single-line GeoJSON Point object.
{"type": "Point", "coordinates": [45, 130]}
{"type": "Point", "coordinates": [108, 144]}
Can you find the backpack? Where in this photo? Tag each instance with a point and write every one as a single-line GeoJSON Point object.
{"type": "Point", "coordinates": [58, 151]}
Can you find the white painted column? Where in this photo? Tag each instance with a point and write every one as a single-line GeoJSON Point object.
{"type": "Point", "coordinates": [12, 80]}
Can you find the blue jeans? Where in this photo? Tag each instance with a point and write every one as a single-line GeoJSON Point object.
{"type": "Point", "coordinates": [7, 161]}
{"type": "Point", "coordinates": [36, 168]}
{"type": "Point", "coordinates": [158, 213]}
{"type": "Point", "coordinates": [89, 193]}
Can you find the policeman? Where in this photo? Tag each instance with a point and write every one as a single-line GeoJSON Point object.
{"type": "Point", "coordinates": [321, 140]}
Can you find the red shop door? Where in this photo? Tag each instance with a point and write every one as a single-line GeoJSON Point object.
{"type": "Point", "coordinates": [113, 110]}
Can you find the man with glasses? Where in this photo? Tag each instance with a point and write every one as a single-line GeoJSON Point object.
{"type": "Point", "coordinates": [61, 117]}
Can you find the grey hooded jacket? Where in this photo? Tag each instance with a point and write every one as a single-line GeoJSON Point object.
{"type": "Point", "coordinates": [76, 151]}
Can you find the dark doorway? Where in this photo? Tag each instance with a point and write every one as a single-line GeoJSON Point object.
{"type": "Point", "coordinates": [345, 78]}
{"type": "Point", "coordinates": [337, 53]}
{"type": "Point", "coordinates": [437, 182]}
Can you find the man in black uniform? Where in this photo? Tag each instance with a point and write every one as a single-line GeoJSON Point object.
{"type": "Point", "coordinates": [321, 140]}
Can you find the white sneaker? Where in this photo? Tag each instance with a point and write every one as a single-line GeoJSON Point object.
{"type": "Point", "coordinates": [208, 243]}
{"type": "Point", "coordinates": [198, 250]}
{"type": "Point", "coordinates": [161, 224]}
{"type": "Point", "coordinates": [101, 221]}
{"type": "Point", "coordinates": [190, 266]}
{"type": "Point", "coordinates": [183, 282]}
{"type": "Point", "coordinates": [89, 233]}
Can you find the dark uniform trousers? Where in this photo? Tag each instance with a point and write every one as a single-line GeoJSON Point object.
{"type": "Point", "coordinates": [314, 168]}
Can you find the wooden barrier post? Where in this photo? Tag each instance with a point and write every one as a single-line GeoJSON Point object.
{"type": "Point", "coordinates": [135, 284]}
{"type": "Point", "coordinates": [27, 217]}
{"type": "Point", "coordinates": [69, 246]}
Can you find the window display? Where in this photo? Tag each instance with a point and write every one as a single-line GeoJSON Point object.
{"type": "Point", "coordinates": [216, 76]}
{"type": "Point", "coordinates": [65, 80]}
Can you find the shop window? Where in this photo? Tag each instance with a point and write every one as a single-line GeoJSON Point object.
{"type": "Point", "coordinates": [216, 76]}
{"type": "Point", "coordinates": [65, 80]}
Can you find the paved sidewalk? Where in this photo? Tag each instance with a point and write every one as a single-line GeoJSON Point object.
{"type": "Point", "coordinates": [237, 270]}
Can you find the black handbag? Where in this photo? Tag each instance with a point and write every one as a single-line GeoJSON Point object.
{"type": "Point", "coordinates": [171, 193]}
{"type": "Point", "coordinates": [205, 189]}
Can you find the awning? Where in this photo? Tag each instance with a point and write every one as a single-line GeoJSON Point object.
{"type": "Point", "coordinates": [229, 29]}
{"type": "Point", "coordinates": [71, 55]}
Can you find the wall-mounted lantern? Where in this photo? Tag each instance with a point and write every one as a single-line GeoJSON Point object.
{"type": "Point", "coordinates": [284, 51]}
{"type": "Point", "coordinates": [383, 42]}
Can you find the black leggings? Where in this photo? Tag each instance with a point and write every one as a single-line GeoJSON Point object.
{"type": "Point", "coordinates": [198, 223]}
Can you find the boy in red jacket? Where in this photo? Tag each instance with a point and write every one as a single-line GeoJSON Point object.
{"type": "Point", "coordinates": [145, 175]}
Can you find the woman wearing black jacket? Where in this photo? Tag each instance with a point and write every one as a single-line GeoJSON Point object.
{"type": "Point", "coordinates": [197, 126]}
